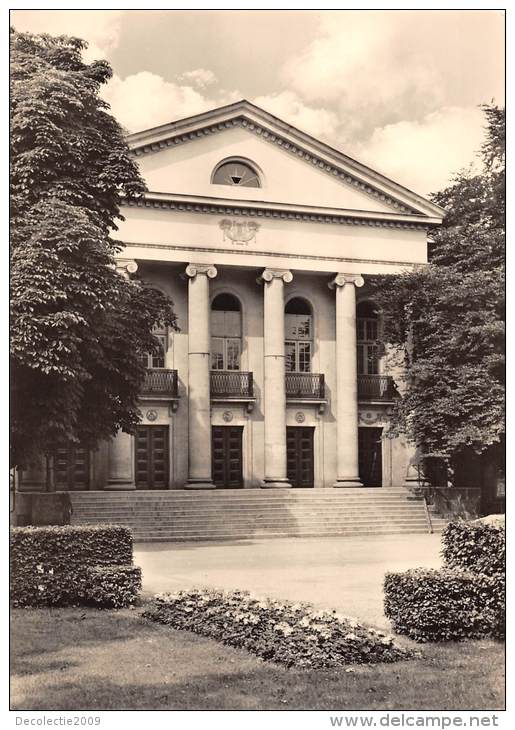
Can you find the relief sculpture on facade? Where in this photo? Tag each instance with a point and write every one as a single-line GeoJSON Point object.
{"type": "Point", "coordinates": [239, 232]}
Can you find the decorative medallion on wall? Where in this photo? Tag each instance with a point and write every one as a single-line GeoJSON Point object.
{"type": "Point", "coordinates": [151, 415]}
{"type": "Point", "coordinates": [239, 232]}
{"type": "Point", "coordinates": [371, 418]}
{"type": "Point", "coordinates": [300, 417]}
{"type": "Point", "coordinates": [227, 416]}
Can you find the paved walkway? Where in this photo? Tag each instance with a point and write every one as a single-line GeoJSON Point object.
{"type": "Point", "coordinates": [342, 573]}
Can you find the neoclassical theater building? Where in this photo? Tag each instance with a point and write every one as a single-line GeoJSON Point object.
{"type": "Point", "coordinates": [266, 239]}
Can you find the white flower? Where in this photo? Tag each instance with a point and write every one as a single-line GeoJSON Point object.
{"type": "Point", "coordinates": [284, 628]}
{"type": "Point", "coordinates": [41, 588]}
{"type": "Point", "coordinates": [40, 568]}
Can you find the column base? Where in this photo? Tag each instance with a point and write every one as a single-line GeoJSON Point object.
{"type": "Point", "coordinates": [352, 482]}
{"type": "Point", "coordinates": [275, 484]}
{"type": "Point", "coordinates": [119, 487]}
{"type": "Point", "coordinates": [199, 485]}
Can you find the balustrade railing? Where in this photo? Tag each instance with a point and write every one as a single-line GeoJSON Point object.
{"type": "Point", "coordinates": [231, 384]}
{"type": "Point", "coordinates": [376, 387]}
{"type": "Point", "coordinates": [305, 385]}
{"type": "Point", "coordinates": [159, 381]}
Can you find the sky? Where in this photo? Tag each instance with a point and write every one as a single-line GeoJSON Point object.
{"type": "Point", "coordinates": [398, 90]}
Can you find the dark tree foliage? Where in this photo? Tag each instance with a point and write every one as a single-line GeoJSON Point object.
{"type": "Point", "coordinates": [447, 319]}
{"type": "Point", "coordinates": [77, 326]}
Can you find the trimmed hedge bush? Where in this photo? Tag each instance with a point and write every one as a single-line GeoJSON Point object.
{"type": "Point", "coordinates": [474, 546]}
{"type": "Point", "coordinates": [49, 565]}
{"type": "Point", "coordinates": [293, 634]}
{"type": "Point", "coordinates": [113, 586]}
{"type": "Point", "coordinates": [445, 605]}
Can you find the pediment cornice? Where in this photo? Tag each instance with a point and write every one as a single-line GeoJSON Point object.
{"type": "Point", "coordinates": [292, 141]}
{"type": "Point", "coordinates": [284, 211]}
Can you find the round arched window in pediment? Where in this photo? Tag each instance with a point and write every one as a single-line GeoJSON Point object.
{"type": "Point", "coordinates": [236, 172]}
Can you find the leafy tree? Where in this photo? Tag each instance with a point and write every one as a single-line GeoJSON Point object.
{"type": "Point", "coordinates": [447, 319]}
{"type": "Point", "coordinates": [77, 326]}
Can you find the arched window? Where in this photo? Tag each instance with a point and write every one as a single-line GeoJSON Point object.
{"type": "Point", "coordinates": [368, 338]}
{"type": "Point", "coordinates": [236, 172]}
{"type": "Point", "coordinates": [157, 359]}
{"type": "Point", "coordinates": [298, 323]}
{"type": "Point", "coordinates": [225, 333]}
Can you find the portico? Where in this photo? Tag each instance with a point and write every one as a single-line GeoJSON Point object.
{"type": "Point", "coordinates": [266, 240]}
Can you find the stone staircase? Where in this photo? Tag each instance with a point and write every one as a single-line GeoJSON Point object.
{"type": "Point", "coordinates": [228, 514]}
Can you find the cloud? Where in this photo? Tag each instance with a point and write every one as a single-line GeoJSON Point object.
{"type": "Point", "coordinates": [289, 106]}
{"type": "Point", "coordinates": [199, 77]}
{"type": "Point", "coordinates": [424, 155]}
{"type": "Point", "coordinates": [146, 100]}
{"type": "Point", "coordinates": [381, 67]}
{"type": "Point", "coordinates": [101, 28]}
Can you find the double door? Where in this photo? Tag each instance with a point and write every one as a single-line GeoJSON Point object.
{"type": "Point", "coordinates": [152, 457]}
{"type": "Point", "coordinates": [227, 456]}
{"type": "Point", "coordinates": [72, 467]}
{"type": "Point", "coordinates": [300, 456]}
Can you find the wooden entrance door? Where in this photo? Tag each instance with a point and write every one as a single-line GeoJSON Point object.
{"type": "Point", "coordinates": [370, 456]}
{"type": "Point", "coordinates": [152, 457]}
{"type": "Point", "coordinates": [300, 456]}
{"type": "Point", "coordinates": [227, 456]}
{"type": "Point", "coordinates": [71, 467]}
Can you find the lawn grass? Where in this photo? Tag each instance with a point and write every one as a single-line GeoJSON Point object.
{"type": "Point", "coordinates": [87, 659]}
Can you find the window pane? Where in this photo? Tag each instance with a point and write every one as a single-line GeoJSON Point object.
{"type": "Point", "coordinates": [290, 325]}
{"type": "Point", "coordinates": [158, 359]}
{"type": "Point", "coordinates": [304, 357]}
{"type": "Point", "coordinates": [373, 360]}
{"type": "Point", "coordinates": [361, 329]}
{"type": "Point", "coordinates": [217, 353]}
{"type": "Point", "coordinates": [372, 329]}
{"type": "Point", "coordinates": [232, 324]}
{"type": "Point", "coordinates": [217, 324]}
{"type": "Point", "coordinates": [361, 360]}
{"type": "Point", "coordinates": [303, 326]}
{"type": "Point", "coordinates": [289, 364]}
{"type": "Point", "coordinates": [233, 354]}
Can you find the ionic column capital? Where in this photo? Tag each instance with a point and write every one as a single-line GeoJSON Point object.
{"type": "Point", "coordinates": [126, 267]}
{"type": "Point", "coordinates": [342, 279]}
{"type": "Point", "coordinates": [269, 274]}
{"type": "Point", "coordinates": [208, 269]}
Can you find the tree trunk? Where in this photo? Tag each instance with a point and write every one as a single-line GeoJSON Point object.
{"type": "Point", "coordinates": [50, 474]}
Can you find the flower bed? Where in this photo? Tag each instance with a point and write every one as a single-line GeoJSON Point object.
{"type": "Point", "coordinates": [293, 634]}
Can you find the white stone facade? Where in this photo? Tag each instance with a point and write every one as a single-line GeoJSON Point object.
{"type": "Point", "coordinates": [317, 227]}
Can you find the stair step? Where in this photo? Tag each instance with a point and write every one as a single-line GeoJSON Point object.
{"type": "Point", "coordinates": [181, 516]}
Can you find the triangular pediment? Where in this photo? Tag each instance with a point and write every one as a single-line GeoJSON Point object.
{"type": "Point", "coordinates": [294, 168]}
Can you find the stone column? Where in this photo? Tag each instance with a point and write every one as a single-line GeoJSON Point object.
{"type": "Point", "coordinates": [120, 449]}
{"type": "Point", "coordinates": [346, 380]}
{"type": "Point", "coordinates": [199, 403]}
{"type": "Point", "coordinates": [274, 401]}
{"type": "Point", "coordinates": [120, 474]}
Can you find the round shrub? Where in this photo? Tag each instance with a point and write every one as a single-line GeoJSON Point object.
{"type": "Point", "coordinates": [445, 605]}
{"type": "Point", "coordinates": [293, 634]}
